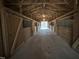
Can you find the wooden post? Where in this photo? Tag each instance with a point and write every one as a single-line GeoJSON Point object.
{"type": "Point", "coordinates": [4, 32]}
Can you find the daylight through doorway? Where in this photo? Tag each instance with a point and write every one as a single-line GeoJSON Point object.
{"type": "Point", "coordinates": [44, 25]}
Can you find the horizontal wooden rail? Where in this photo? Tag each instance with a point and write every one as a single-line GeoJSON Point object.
{"type": "Point", "coordinates": [26, 3]}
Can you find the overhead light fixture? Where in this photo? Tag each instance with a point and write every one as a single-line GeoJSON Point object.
{"type": "Point", "coordinates": [43, 16]}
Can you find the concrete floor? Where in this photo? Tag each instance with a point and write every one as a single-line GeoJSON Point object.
{"type": "Point", "coordinates": [45, 45]}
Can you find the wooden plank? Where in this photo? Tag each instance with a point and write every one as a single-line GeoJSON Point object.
{"type": "Point", "coordinates": [4, 32]}
{"type": "Point", "coordinates": [76, 43]}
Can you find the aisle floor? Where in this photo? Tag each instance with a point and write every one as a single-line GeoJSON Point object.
{"type": "Point", "coordinates": [45, 45]}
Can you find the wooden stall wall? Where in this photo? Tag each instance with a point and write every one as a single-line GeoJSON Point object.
{"type": "Point", "coordinates": [64, 29]}
{"type": "Point", "coordinates": [17, 33]}
{"type": "Point", "coordinates": [76, 26]}
{"type": "Point", "coordinates": [27, 25]}
{"type": "Point", "coordinates": [12, 22]}
{"type": "Point", "coordinates": [25, 32]}
{"type": "Point", "coordinates": [1, 35]}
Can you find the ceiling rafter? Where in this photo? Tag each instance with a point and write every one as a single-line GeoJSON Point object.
{"type": "Point", "coordinates": [57, 10]}
{"type": "Point", "coordinates": [40, 11]}
{"type": "Point", "coordinates": [31, 7]}
{"type": "Point", "coordinates": [31, 3]}
{"type": "Point", "coordinates": [56, 6]}
{"type": "Point", "coordinates": [36, 14]}
{"type": "Point", "coordinates": [35, 8]}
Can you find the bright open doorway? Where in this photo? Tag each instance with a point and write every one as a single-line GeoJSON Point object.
{"type": "Point", "coordinates": [44, 25]}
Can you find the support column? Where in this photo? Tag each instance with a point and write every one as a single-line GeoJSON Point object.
{"type": "Point", "coordinates": [4, 32]}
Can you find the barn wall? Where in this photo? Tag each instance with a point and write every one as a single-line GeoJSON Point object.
{"type": "Point", "coordinates": [64, 29]}
{"type": "Point", "coordinates": [17, 33]}
{"type": "Point", "coordinates": [76, 25]}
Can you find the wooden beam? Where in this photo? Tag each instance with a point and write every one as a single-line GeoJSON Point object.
{"type": "Point", "coordinates": [57, 10]}
{"type": "Point", "coordinates": [31, 7]}
{"type": "Point", "coordinates": [16, 13]}
{"type": "Point", "coordinates": [76, 4]}
{"type": "Point", "coordinates": [24, 9]}
{"type": "Point", "coordinates": [50, 10]}
{"type": "Point", "coordinates": [31, 3]}
{"type": "Point", "coordinates": [76, 43]}
{"type": "Point", "coordinates": [66, 14]}
{"type": "Point", "coordinates": [4, 31]}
